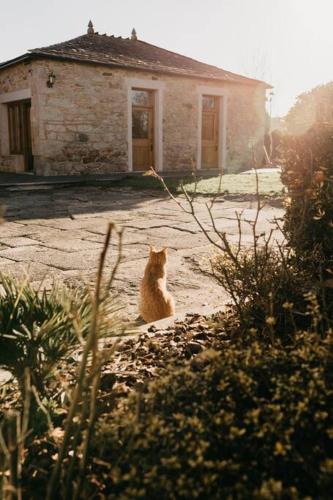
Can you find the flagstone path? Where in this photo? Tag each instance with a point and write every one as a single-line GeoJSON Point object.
{"type": "Point", "coordinates": [58, 234]}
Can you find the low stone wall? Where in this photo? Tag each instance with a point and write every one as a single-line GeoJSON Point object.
{"type": "Point", "coordinates": [12, 163]}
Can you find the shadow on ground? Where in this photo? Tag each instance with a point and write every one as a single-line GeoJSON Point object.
{"type": "Point", "coordinates": [68, 202]}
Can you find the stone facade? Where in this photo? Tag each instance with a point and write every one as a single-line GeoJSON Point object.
{"type": "Point", "coordinates": [80, 125]}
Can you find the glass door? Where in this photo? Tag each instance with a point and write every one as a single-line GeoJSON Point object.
{"type": "Point", "coordinates": [143, 129]}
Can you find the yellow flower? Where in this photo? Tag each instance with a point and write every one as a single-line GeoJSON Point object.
{"type": "Point", "coordinates": [327, 465]}
{"type": "Point", "coordinates": [270, 321]}
{"type": "Point", "coordinates": [279, 449]}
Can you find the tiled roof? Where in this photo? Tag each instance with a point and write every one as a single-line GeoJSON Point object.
{"type": "Point", "coordinates": [131, 53]}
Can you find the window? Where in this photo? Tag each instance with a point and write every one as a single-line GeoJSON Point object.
{"type": "Point", "coordinates": [142, 113]}
{"type": "Point", "coordinates": [19, 126]}
{"type": "Point", "coordinates": [140, 124]}
{"type": "Point", "coordinates": [141, 98]}
{"type": "Point", "coordinates": [208, 102]}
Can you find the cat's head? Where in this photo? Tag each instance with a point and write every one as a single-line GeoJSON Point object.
{"type": "Point", "coordinates": [158, 257]}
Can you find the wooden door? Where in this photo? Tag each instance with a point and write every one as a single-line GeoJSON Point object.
{"type": "Point", "coordinates": [143, 129]}
{"type": "Point", "coordinates": [210, 132]}
{"type": "Point", "coordinates": [19, 125]}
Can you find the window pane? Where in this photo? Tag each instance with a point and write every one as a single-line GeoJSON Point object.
{"type": "Point", "coordinates": [140, 97]}
{"type": "Point", "coordinates": [208, 102]}
{"type": "Point", "coordinates": [140, 124]}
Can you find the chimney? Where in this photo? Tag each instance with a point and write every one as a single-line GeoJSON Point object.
{"type": "Point", "coordinates": [133, 35]}
{"type": "Point", "coordinates": [90, 29]}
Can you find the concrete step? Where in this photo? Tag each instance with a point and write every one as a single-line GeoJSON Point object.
{"type": "Point", "coordinates": [25, 182]}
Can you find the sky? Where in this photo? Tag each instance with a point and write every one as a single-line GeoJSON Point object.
{"type": "Point", "coordinates": [288, 43]}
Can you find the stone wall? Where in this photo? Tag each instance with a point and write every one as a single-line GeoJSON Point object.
{"type": "Point", "coordinates": [180, 123]}
{"type": "Point", "coordinates": [83, 120]}
{"type": "Point", "coordinates": [245, 126]}
{"type": "Point", "coordinates": [81, 124]}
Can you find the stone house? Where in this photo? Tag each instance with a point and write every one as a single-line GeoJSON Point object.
{"type": "Point", "coordinates": [101, 104]}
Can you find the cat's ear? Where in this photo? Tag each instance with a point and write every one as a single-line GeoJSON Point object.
{"type": "Point", "coordinates": [165, 250]}
{"type": "Point", "coordinates": [152, 249]}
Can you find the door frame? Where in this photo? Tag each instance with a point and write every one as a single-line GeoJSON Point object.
{"type": "Point", "coordinates": [222, 136]}
{"type": "Point", "coordinates": [150, 139]}
{"type": "Point", "coordinates": [28, 156]}
{"type": "Point", "coordinates": [7, 98]}
{"type": "Point", "coordinates": [157, 87]}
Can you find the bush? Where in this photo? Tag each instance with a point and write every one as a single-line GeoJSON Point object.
{"type": "Point", "coordinates": [40, 329]}
{"type": "Point", "coordinates": [268, 283]}
{"type": "Point", "coordinates": [254, 422]}
{"type": "Point", "coordinates": [308, 175]}
{"type": "Point", "coordinates": [268, 289]}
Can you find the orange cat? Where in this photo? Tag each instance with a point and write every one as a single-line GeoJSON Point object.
{"type": "Point", "coordinates": [155, 300]}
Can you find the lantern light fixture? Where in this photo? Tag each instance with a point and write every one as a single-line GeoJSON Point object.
{"type": "Point", "coordinates": [51, 80]}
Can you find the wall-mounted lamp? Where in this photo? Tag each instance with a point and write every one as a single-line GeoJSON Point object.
{"type": "Point", "coordinates": [51, 80]}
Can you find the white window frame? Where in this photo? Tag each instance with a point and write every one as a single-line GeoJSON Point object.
{"type": "Point", "coordinates": [17, 95]}
{"type": "Point", "coordinates": [222, 139]}
{"type": "Point", "coordinates": [157, 86]}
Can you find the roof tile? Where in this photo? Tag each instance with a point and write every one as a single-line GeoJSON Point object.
{"type": "Point", "coordinates": [131, 53]}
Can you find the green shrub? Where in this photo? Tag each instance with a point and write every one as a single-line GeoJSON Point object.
{"type": "Point", "coordinates": [39, 329]}
{"type": "Point", "coordinates": [253, 422]}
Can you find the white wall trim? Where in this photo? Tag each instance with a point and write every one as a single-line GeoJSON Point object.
{"type": "Point", "coordinates": [17, 95]}
{"type": "Point", "coordinates": [158, 86]}
{"type": "Point", "coordinates": [222, 140]}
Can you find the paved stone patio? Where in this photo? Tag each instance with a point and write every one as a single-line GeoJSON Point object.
{"type": "Point", "coordinates": [57, 234]}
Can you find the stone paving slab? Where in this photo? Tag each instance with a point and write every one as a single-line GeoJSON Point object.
{"type": "Point", "coordinates": [59, 234]}
{"type": "Point", "coordinates": [18, 241]}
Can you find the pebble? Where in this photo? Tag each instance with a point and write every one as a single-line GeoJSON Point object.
{"type": "Point", "coordinates": [194, 347]}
